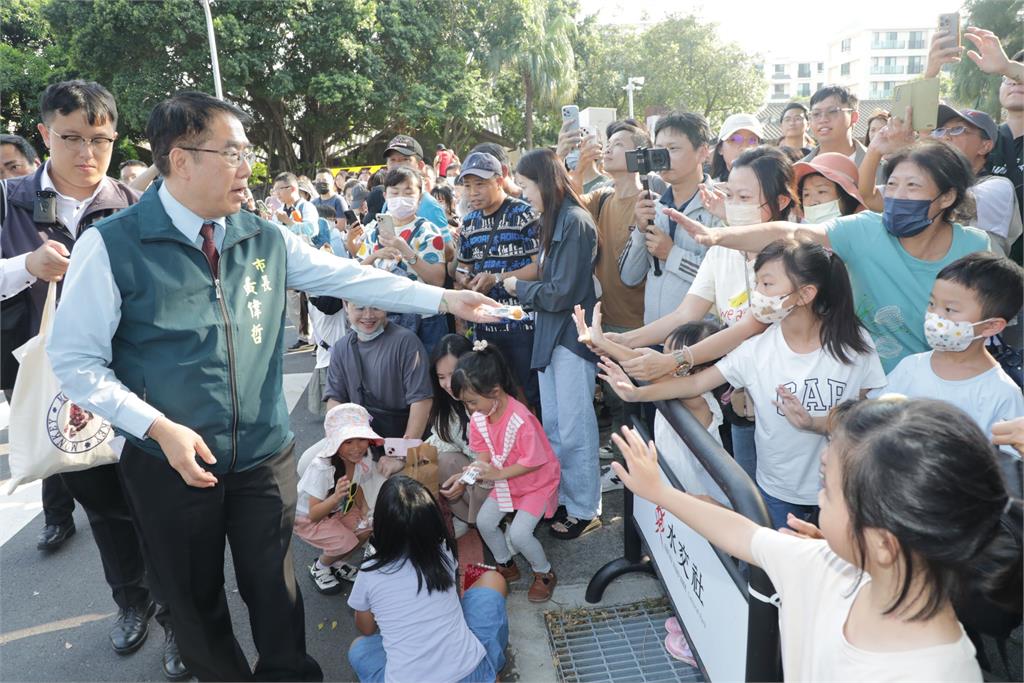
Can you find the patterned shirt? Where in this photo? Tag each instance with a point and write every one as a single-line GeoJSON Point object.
{"type": "Point", "coordinates": [423, 236]}
{"type": "Point", "coordinates": [504, 241]}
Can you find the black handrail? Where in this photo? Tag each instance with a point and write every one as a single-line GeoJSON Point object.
{"type": "Point", "coordinates": [763, 653]}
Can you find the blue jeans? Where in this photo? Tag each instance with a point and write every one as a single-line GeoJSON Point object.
{"type": "Point", "coordinates": [567, 399]}
{"type": "Point", "coordinates": [429, 329]}
{"type": "Point", "coordinates": [744, 450]}
{"type": "Point", "coordinates": [778, 509]}
{"type": "Point", "coordinates": [486, 616]}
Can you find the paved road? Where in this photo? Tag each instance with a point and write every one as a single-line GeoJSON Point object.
{"type": "Point", "coordinates": [55, 609]}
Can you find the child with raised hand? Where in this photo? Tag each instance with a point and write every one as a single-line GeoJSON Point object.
{"type": "Point", "coordinates": [972, 300]}
{"type": "Point", "coordinates": [331, 511]}
{"type": "Point", "coordinates": [407, 589]}
{"type": "Point", "coordinates": [513, 453]}
{"type": "Point", "coordinates": [913, 504]}
{"type": "Point", "coordinates": [812, 357]}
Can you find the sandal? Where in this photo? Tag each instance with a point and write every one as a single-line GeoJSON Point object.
{"type": "Point", "coordinates": [571, 527]}
{"type": "Point", "coordinates": [559, 515]}
{"type": "Point", "coordinates": [345, 572]}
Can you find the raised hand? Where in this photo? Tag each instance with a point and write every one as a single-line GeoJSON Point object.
{"type": "Point", "coordinates": [801, 529]}
{"type": "Point", "coordinates": [943, 50]}
{"type": "Point", "coordinates": [617, 380]}
{"type": "Point", "coordinates": [789, 405]}
{"type": "Point", "coordinates": [990, 55]}
{"type": "Point", "coordinates": [713, 199]}
{"type": "Point", "coordinates": [700, 234]}
{"type": "Point", "coordinates": [641, 474]}
{"type": "Point", "coordinates": [895, 135]}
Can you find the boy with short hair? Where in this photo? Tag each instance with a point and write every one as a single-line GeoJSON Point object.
{"type": "Point", "coordinates": [971, 301]}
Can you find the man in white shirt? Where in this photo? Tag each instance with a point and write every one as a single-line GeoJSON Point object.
{"type": "Point", "coordinates": [43, 217]}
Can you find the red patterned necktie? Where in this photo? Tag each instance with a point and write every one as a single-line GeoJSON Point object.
{"type": "Point", "coordinates": [209, 248]}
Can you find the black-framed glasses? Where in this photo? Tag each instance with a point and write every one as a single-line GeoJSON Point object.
{"type": "Point", "coordinates": [232, 156]}
{"type": "Point", "coordinates": [822, 114]}
{"type": "Point", "coordinates": [77, 143]}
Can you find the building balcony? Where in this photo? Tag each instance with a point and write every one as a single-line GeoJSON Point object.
{"type": "Point", "coordinates": [780, 77]}
{"type": "Point", "coordinates": [916, 45]}
{"type": "Point", "coordinates": [780, 96]}
{"type": "Point", "coordinates": [887, 69]}
{"type": "Point", "coordinates": [880, 95]}
{"type": "Point", "coordinates": [915, 68]}
{"type": "Point", "coordinates": [889, 45]}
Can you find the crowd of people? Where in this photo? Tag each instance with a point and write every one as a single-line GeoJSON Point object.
{"type": "Point", "coordinates": [807, 299]}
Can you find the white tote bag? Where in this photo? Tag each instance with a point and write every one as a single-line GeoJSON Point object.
{"type": "Point", "coordinates": [49, 433]}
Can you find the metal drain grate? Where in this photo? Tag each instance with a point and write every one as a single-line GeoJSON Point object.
{"type": "Point", "coordinates": [615, 644]}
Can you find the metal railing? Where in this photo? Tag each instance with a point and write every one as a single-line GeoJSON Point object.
{"type": "Point", "coordinates": [764, 661]}
{"type": "Point", "coordinates": [887, 69]}
{"type": "Point", "coordinates": [889, 45]}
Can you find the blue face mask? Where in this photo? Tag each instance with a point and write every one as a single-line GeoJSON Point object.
{"type": "Point", "coordinates": [906, 217]}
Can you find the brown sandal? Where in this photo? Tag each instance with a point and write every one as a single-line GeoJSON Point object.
{"type": "Point", "coordinates": [542, 588]}
{"type": "Point", "coordinates": [509, 572]}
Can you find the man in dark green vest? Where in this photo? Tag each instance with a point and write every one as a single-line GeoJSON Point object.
{"type": "Point", "coordinates": [171, 326]}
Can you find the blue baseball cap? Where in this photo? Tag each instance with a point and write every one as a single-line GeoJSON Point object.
{"type": "Point", "coordinates": [480, 164]}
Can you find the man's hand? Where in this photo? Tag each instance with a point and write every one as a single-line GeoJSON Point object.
{"type": "Point", "coordinates": [646, 209]}
{"type": "Point", "coordinates": [464, 303]}
{"type": "Point", "coordinates": [283, 218]}
{"type": "Point", "coordinates": [181, 445]}
{"type": "Point", "coordinates": [990, 56]}
{"type": "Point", "coordinates": [49, 262]}
{"type": "Point", "coordinates": [650, 366]}
{"type": "Point", "coordinates": [658, 242]}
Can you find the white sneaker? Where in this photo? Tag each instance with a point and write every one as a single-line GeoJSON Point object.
{"type": "Point", "coordinates": [606, 452]}
{"type": "Point", "coordinates": [324, 579]}
{"type": "Point", "coordinates": [609, 480]}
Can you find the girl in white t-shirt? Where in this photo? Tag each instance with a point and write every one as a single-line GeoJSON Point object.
{"type": "Point", "coordinates": [914, 515]}
{"type": "Point", "coordinates": [813, 356]}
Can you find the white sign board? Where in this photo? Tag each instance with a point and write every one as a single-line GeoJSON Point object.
{"type": "Point", "coordinates": [708, 603]}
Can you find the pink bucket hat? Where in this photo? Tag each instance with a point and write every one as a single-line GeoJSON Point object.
{"type": "Point", "coordinates": [344, 422]}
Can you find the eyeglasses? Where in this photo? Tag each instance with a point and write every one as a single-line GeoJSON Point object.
{"type": "Point", "coordinates": [738, 139]}
{"type": "Point", "coordinates": [77, 143]}
{"type": "Point", "coordinates": [822, 114]}
{"type": "Point", "coordinates": [232, 156]}
{"type": "Point", "coordinates": [795, 118]}
{"type": "Point", "coordinates": [951, 132]}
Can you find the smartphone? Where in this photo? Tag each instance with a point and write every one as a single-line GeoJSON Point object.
{"type": "Point", "coordinates": [261, 206]}
{"type": "Point", "coordinates": [571, 114]}
{"type": "Point", "coordinates": [950, 25]}
{"type": "Point", "coordinates": [386, 224]}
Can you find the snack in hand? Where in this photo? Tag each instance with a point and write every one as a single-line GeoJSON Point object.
{"type": "Point", "coordinates": [509, 312]}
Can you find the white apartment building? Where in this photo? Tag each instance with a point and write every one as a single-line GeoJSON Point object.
{"type": "Point", "coordinates": [873, 61]}
{"type": "Point", "coordinates": [790, 79]}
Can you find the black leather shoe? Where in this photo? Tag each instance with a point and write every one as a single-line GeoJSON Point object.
{"type": "Point", "coordinates": [131, 628]}
{"type": "Point", "coordinates": [54, 535]}
{"type": "Point", "coordinates": [174, 668]}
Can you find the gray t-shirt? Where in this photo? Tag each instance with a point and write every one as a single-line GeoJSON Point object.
{"type": "Point", "coordinates": [395, 369]}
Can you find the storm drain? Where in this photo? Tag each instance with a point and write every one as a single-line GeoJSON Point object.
{"type": "Point", "coordinates": [616, 644]}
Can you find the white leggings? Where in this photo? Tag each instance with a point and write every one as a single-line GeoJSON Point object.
{"type": "Point", "coordinates": [520, 535]}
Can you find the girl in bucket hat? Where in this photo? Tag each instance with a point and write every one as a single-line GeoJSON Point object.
{"type": "Point", "coordinates": [827, 187]}
{"type": "Point", "coordinates": [332, 513]}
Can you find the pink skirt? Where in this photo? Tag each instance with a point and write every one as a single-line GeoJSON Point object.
{"type": "Point", "coordinates": [334, 535]}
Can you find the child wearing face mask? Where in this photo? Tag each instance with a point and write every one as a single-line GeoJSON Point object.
{"type": "Point", "coordinates": [972, 299]}
{"type": "Point", "coordinates": [827, 187]}
{"type": "Point", "coordinates": [813, 356]}
{"type": "Point", "coordinates": [512, 453]}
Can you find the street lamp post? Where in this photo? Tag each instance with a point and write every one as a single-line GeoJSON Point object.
{"type": "Point", "coordinates": [218, 91]}
{"type": "Point", "coordinates": [634, 83]}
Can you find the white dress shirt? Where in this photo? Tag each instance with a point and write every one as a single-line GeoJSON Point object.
{"type": "Point", "coordinates": [90, 311]}
{"type": "Point", "coordinates": [14, 275]}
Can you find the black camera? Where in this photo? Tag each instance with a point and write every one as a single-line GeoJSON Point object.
{"type": "Point", "coordinates": [644, 160]}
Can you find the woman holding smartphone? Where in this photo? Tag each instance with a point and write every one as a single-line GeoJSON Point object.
{"type": "Point", "coordinates": [567, 369]}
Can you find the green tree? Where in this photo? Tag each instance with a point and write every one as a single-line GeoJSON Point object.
{"type": "Point", "coordinates": [534, 40]}
{"type": "Point", "coordinates": [971, 86]}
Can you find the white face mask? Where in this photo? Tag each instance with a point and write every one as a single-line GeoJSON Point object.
{"type": "Point", "coordinates": [742, 214]}
{"type": "Point", "coordinates": [363, 336]}
{"type": "Point", "coordinates": [946, 335]}
{"type": "Point", "coordinates": [769, 309]}
{"type": "Point", "coordinates": [403, 207]}
{"type": "Point", "coordinates": [822, 213]}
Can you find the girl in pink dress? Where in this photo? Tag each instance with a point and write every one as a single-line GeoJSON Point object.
{"type": "Point", "coordinates": [515, 456]}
